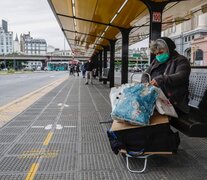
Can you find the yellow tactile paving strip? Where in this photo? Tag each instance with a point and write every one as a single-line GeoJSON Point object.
{"type": "Point", "coordinates": [12, 109]}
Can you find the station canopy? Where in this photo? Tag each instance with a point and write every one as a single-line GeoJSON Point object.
{"type": "Point", "coordinates": [88, 25]}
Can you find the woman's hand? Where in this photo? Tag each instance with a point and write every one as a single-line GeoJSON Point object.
{"type": "Point", "coordinates": [153, 82]}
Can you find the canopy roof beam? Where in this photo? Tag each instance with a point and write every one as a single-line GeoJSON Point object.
{"type": "Point", "coordinates": [87, 20]}
{"type": "Point", "coordinates": [85, 34]}
{"type": "Point", "coordinates": [97, 22]}
{"type": "Point", "coordinates": [112, 58]}
{"type": "Point", "coordinates": [84, 42]}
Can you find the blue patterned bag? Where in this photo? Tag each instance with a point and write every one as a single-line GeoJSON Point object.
{"type": "Point", "coordinates": [136, 105]}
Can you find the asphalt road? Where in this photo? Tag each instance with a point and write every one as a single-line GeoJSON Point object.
{"type": "Point", "coordinates": [15, 86]}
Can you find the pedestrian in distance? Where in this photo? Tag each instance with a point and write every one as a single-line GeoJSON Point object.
{"type": "Point", "coordinates": [94, 73]}
{"type": "Point", "coordinates": [89, 72]}
{"type": "Point", "coordinates": [77, 69]}
{"type": "Point", "coordinates": [83, 69]}
{"type": "Point", "coordinates": [72, 69]}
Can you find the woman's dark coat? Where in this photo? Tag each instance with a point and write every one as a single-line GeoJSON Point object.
{"type": "Point", "coordinates": [173, 78]}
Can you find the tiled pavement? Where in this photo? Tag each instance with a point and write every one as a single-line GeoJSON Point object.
{"type": "Point", "coordinates": [60, 137]}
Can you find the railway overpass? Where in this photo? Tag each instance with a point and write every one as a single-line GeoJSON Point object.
{"type": "Point", "coordinates": [15, 61]}
{"type": "Point", "coordinates": [40, 58]}
{"type": "Point", "coordinates": [45, 59]}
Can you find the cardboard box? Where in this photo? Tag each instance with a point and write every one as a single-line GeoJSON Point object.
{"type": "Point", "coordinates": [154, 120]}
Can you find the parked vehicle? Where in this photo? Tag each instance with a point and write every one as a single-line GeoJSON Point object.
{"type": "Point", "coordinates": [137, 69]}
{"type": "Point", "coordinates": [38, 68]}
{"type": "Point", "coordinates": [28, 69]}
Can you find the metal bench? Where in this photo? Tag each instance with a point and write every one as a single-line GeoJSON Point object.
{"type": "Point", "coordinates": [105, 76]}
{"type": "Point", "coordinates": [195, 124]}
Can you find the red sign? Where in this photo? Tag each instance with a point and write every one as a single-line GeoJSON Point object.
{"type": "Point", "coordinates": [74, 62]}
{"type": "Point", "coordinates": [156, 17]}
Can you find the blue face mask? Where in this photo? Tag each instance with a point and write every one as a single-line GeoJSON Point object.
{"type": "Point", "coordinates": [162, 57]}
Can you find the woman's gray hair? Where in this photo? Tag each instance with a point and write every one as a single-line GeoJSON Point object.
{"type": "Point", "coordinates": [158, 45]}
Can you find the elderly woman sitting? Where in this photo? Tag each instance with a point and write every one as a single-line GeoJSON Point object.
{"type": "Point", "coordinates": [170, 71]}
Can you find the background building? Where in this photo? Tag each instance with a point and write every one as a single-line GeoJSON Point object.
{"type": "Point", "coordinates": [16, 45]}
{"type": "Point", "coordinates": [58, 52]}
{"type": "Point", "coordinates": [6, 39]}
{"type": "Point", "coordinates": [198, 49]}
{"type": "Point", "coordinates": [31, 46]}
{"type": "Point", "coordinates": [50, 49]}
{"type": "Point", "coordinates": [190, 36]}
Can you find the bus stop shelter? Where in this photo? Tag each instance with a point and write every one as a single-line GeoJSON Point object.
{"type": "Point", "coordinates": [62, 135]}
{"type": "Point", "coordinates": [93, 27]}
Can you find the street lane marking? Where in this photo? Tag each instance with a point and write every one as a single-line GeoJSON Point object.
{"type": "Point", "coordinates": [37, 126]}
{"type": "Point", "coordinates": [35, 153]}
{"type": "Point", "coordinates": [48, 138]}
{"type": "Point", "coordinates": [59, 126]}
{"type": "Point", "coordinates": [61, 104]}
{"type": "Point", "coordinates": [49, 126]}
{"type": "Point", "coordinates": [70, 126]}
{"type": "Point", "coordinates": [32, 171]}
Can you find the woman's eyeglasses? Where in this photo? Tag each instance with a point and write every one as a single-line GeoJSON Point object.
{"type": "Point", "coordinates": [160, 52]}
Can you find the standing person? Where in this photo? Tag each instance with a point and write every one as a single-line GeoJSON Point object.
{"type": "Point", "coordinates": [77, 69]}
{"type": "Point", "coordinates": [69, 70]}
{"type": "Point", "coordinates": [170, 71]}
{"type": "Point", "coordinates": [94, 73]}
{"type": "Point", "coordinates": [89, 71]}
{"type": "Point", "coordinates": [72, 68]}
{"type": "Point", "coordinates": [83, 69]}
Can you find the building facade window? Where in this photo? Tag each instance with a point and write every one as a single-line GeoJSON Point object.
{"type": "Point", "coordinates": [36, 46]}
{"type": "Point", "coordinates": [199, 55]}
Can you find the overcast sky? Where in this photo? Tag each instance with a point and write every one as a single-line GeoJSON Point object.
{"type": "Point", "coordinates": [35, 16]}
{"type": "Point", "coordinates": [144, 43]}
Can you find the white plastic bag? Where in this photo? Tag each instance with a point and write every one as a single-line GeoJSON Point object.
{"type": "Point", "coordinates": [163, 105]}
{"type": "Point", "coordinates": [117, 92]}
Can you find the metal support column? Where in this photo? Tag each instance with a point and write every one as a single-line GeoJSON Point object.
{"type": "Point", "coordinates": [125, 52]}
{"type": "Point", "coordinates": [155, 10]}
{"type": "Point", "coordinates": [14, 64]}
{"type": "Point", "coordinates": [93, 58]}
{"type": "Point", "coordinates": [4, 61]}
{"type": "Point", "coordinates": [100, 65]}
{"type": "Point", "coordinates": [112, 55]}
{"type": "Point", "coordinates": [106, 48]}
{"type": "Point", "coordinates": [96, 64]}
